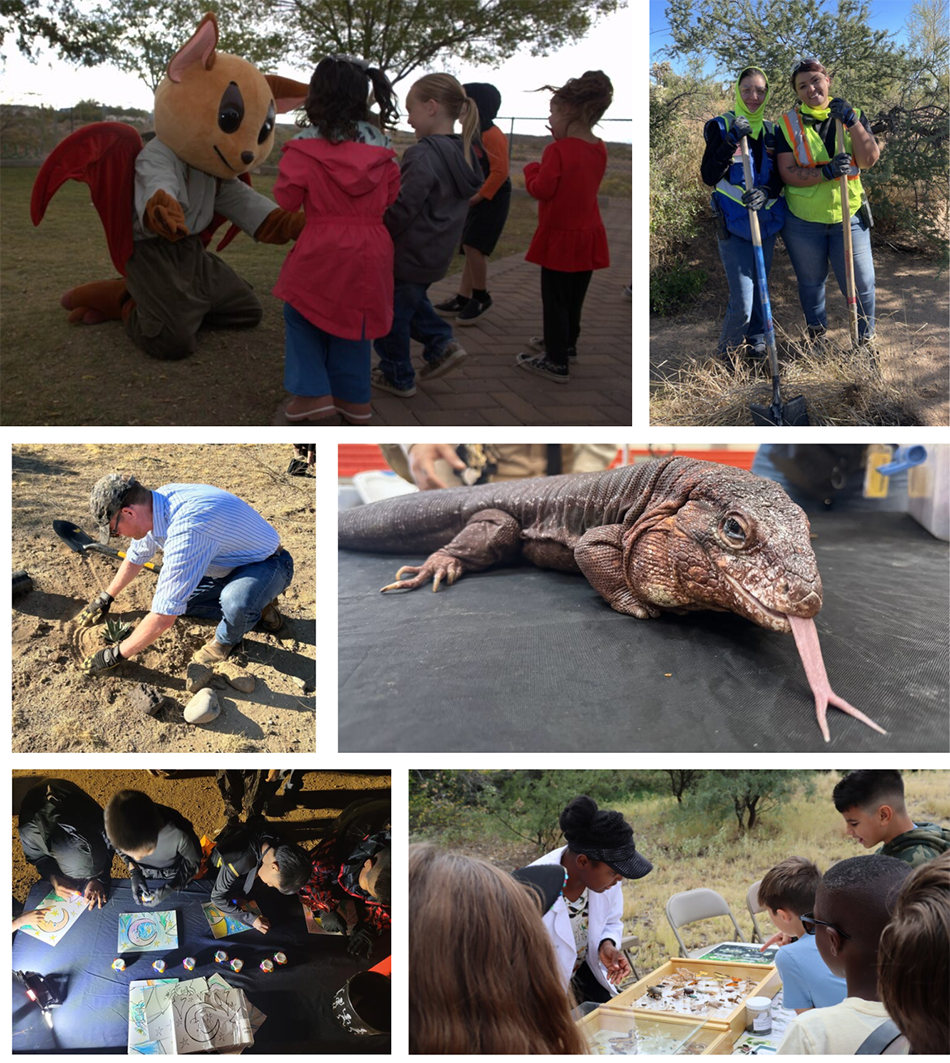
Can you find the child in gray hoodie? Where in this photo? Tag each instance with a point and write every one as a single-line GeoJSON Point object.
{"type": "Point", "coordinates": [425, 222]}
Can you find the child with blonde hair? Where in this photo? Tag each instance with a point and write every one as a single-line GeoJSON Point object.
{"type": "Point", "coordinates": [425, 223]}
{"type": "Point", "coordinates": [570, 241]}
{"type": "Point", "coordinates": [336, 283]}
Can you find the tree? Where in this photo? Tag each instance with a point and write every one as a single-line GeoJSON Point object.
{"type": "Point", "coordinates": [748, 795]}
{"type": "Point", "coordinates": [56, 24]}
{"type": "Point", "coordinates": [400, 36]}
{"type": "Point", "coordinates": [681, 780]}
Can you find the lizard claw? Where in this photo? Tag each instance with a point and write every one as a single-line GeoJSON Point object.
{"type": "Point", "coordinates": [439, 567]}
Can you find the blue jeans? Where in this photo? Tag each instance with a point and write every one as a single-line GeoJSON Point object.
{"type": "Point", "coordinates": [744, 318]}
{"type": "Point", "coordinates": [238, 599]}
{"type": "Point", "coordinates": [318, 364]}
{"type": "Point", "coordinates": [810, 244]}
{"type": "Point", "coordinates": [413, 317]}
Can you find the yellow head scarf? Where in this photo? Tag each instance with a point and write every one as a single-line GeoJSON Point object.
{"type": "Point", "coordinates": [754, 118]}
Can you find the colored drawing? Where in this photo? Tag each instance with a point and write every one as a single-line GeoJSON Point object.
{"type": "Point", "coordinates": [147, 931]}
{"type": "Point", "coordinates": [53, 924]}
{"type": "Point", "coordinates": [139, 1043]}
{"type": "Point", "coordinates": [739, 952]}
{"type": "Point", "coordinates": [196, 1016]}
{"type": "Point", "coordinates": [223, 924]}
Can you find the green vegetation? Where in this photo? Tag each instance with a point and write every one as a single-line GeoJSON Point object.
{"type": "Point", "coordinates": [674, 285]}
{"type": "Point", "coordinates": [116, 631]}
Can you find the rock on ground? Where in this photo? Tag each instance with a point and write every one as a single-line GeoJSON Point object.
{"type": "Point", "coordinates": [197, 676]}
{"type": "Point", "coordinates": [203, 707]}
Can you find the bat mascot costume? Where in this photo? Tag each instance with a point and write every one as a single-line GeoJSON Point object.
{"type": "Point", "coordinates": [161, 202]}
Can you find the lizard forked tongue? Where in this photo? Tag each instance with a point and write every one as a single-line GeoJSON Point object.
{"type": "Point", "coordinates": [806, 639]}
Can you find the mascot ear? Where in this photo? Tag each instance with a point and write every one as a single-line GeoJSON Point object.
{"type": "Point", "coordinates": [200, 48]}
{"type": "Point", "coordinates": [288, 94]}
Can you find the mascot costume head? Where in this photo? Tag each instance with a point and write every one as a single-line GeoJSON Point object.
{"type": "Point", "coordinates": [160, 203]}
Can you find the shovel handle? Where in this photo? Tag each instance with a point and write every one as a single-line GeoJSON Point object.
{"type": "Point", "coordinates": [848, 251]}
{"type": "Point", "coordinates": [760, 277]}
{"type": "Point", "coordinates": [99, 548]}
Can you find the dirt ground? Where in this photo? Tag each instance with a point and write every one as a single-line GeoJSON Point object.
{"type": "Point", "coordinates": [912, 310]}
{"type": "Point", "coordinates": [194, 794]}
{"type": "Point", "coordinates": [55, 707]}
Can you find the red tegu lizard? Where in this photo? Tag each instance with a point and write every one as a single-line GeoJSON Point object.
{"type": "Point", "coordinates": [674, 534]}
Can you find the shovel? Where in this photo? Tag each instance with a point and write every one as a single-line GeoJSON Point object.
{"type": "Point", "coordinates": [792, 412]}
{"type": "Point", "coordinates": [848, 252]}
{"type": "Point", "coordinates": [76, 539]}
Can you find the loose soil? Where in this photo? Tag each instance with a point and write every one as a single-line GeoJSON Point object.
{"type": "Point", "coordinates": [55, 707]}
{"type": "Point", "coordinates": [913, 334]}
{"type": "Point", "coordinates": [303, 820]}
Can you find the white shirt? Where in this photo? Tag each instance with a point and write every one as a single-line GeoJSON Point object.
{"type": "Point", "coordinates": [605, 920]}
{"type": "Point", "coordinates": [839, 1030]}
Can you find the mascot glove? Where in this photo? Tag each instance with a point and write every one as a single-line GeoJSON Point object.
{"type": "Point", "coordinates": [361, 942]}
{"type": "Point", "coordinates": [279, 227]}
{"type": "Point", "coordinates": [164, 217]}
{"type": "Point", "coordinates": [103, 661]}
{"type": "Point", "coordinates": [96, 610]}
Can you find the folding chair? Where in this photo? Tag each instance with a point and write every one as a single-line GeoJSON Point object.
{"type": "Point", "coordinates": [693, 905]}
{"type": "Point", "coordinates": [752, 903]}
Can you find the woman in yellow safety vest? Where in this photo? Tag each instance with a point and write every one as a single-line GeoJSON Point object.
{"type": "Point", "coordinates": [722, 169]}
{"type": "Point", "coordinates": [811, 168]}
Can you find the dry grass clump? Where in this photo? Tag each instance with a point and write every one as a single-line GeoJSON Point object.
{"type": "Point", "coordinates": [841, 386]}
{"type": "Point", "coordinates": [688, 853]}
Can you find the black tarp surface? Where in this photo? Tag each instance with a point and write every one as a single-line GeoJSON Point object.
{"type": "Point", "coordinates": [94, 1016]}
{"type": "Point", "coordinates": [525, 660]}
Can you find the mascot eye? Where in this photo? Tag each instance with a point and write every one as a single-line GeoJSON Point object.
{"type": "Point", "coordinates": [733, 531]}
{"type": "Point", "coordinates": [268, 127]}
{"type": "Point", "coordinates": [231, 109]}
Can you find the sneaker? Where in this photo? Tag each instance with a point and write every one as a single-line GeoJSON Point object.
{"type": "Point", "coordinates": [475, 309]}
{"type": "Point", "coordinates": [379, 380]}
{"type": "Point", "coordinates": [816, 339]}
{"type": "Point", "coordinates": [560, 374]}
{"type": "Point", "coordinates": [451, 306]}
{"type": "Point", "coordinates": [536, 343]}
{"type": "Point", "coordinates": [446, 361]}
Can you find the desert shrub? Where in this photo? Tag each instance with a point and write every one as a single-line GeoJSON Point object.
{"type": "Point", "coordinates": [674, 285]}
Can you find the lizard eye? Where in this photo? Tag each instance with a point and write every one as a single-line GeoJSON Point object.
{"type": "Point", "coordinates": [733, 532]}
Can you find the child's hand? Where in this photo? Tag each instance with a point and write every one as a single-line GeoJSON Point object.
{"type": "Point", "coordinates": [476, 199]}
{"type": "Point", "coordinates": [27, 918]}
{"type": "Point", "coordinates": [95, 894]}
{"type": "Point", "coordinates": [778, 939]}
{"type": "Point", "coordinates": [261, 923]}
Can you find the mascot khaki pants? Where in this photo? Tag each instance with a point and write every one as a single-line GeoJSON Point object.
{"type": "Point", "coordinates": [177, 288]}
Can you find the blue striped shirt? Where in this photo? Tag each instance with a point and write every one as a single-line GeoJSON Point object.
{"type": "Point", "coordinates": [201, 530]}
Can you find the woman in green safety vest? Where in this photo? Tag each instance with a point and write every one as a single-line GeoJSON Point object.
{"type": "Point", "coordinates": [722, 168]}
{"type": "Point", "coordinates": [808, 161]}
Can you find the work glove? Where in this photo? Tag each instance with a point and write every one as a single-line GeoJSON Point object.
{"type": "Point", "coordinates": [755, 198]}
{"type": "Point", "coordinates": [156, 896]}
{"type": "Point", "coordinates": [839, 108]}
{"type": "Point", "coordinates": [361, 942]}
{"type": "Point", "coordinates": [96, 610]}
{"type": "Point", "coordinates": [840, 166]}
{"type": "Point", "coordinates": [740, 128]}
{"type": "Point", "coordinates": [139, 888]}
{"type": "Point", "coordinates": [333, 923]}
{"type": "Point", "coordinates": [102, 661]}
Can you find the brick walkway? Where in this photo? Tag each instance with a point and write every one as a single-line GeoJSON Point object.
{"type": "Point", "coordinates": [487, 388]}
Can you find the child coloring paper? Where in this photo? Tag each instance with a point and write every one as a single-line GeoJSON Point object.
{"type": "Point", "coordinates": [148, 931]}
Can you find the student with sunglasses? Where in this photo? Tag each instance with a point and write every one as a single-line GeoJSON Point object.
{"type": "Point", "coordinates": [811, 167]}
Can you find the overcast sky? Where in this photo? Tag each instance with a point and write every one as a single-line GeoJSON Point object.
{"type": "Point", "coordinates": [608, 47]}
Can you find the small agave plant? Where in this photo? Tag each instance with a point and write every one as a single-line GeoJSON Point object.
{"type": "Point", "coordinates": [115, 631]}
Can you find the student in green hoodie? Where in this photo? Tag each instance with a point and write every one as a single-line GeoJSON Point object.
{"type": "Point", "coordinates": [872, 804]}
{"type": "Point", "coordinates": [744, 322]}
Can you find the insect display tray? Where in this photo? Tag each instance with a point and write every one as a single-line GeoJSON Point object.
{"type": "Point", "coordinates": [757, 981]}
{"type": "Point", "coordinates": [611, 1031]}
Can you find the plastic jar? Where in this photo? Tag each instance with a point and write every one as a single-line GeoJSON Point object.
{"type": "Point", "coordinates": [758, 1015]}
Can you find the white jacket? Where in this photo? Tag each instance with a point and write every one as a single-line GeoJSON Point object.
{"type": "Point", "coordinates": [605, 920]}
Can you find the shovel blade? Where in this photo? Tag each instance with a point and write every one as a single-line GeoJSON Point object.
{"type": "Point", "coordinates": [765, 415]}
{"type": "Point", "coordinates": [788, 414]}
{"type": "Point", "coordinates": [75, 538]}
{"type": "Point", "coordinates": [794, 412]}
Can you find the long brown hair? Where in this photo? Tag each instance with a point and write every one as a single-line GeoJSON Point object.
{"type": "Point", "coordinates": [913, 958]}
{"type": "Point", "coordinates": [587, 97]}
{"type": "Point", "coordinates": [483, 977]}
{"type": "Point", "coordinates": [445, 89]}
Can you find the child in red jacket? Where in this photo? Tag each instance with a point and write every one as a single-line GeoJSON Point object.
{"type": "Point", "coordinates": [337, 282]}
{"type": "Point", "coordinates": [570, 241]}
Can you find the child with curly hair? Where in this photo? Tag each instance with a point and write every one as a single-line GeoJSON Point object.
{"type": "Point", "coordinates": [570, 241]}
{"type": "Point", "coordinates": [337, 283]}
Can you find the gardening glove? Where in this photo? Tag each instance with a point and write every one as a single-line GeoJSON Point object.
{"type": "Point", "coordinates": [361, 942]}
{"type": "Point", "coordinates": [96, 610]}
{"type": "Point", "coordinates": [157, 896]}
{"type": "Point", "coordinates": [333, 922]}
{"type": "Point", "coordinates": [102, 661]}
{"type": "Point", "coordinates": [755, 198]}
{"type": "Point", "coordinates": [840, 166]}
{"type": "Point", "coordinates": [740, 128]}
{"type": "Point", "coordinates": [839, 108]}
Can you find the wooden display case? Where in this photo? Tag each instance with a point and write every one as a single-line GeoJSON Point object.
{"type": "Point", "coordinates": [767, 984]}
{"type": "Point", "coordinates": [609, 1031]}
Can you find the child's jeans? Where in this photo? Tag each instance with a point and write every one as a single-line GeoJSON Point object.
{"type": "Point", "coordinates": [318, 364]}
{"type": "Point", "coordinates": [413, 317]}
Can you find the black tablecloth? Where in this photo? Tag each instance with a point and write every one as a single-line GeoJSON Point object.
{"type": "Point", "coordinates": [520, 659]}
{"type": "Point", "coordinates": [94, 1016]}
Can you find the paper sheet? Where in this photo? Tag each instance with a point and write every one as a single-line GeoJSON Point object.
{"type": "Point", "coordinates": [223, 924]}
{"type": "Point", "coordinates": [147, 931]}
{"type": "Point", "coordinates": [139, 1043]}
{"type": "Point", "coordinates": [56, 922]}
{"type": "Point", "coordinates": [198, 1015]}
